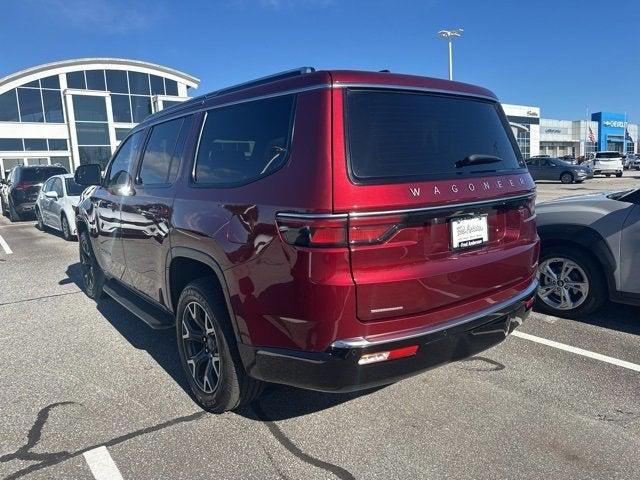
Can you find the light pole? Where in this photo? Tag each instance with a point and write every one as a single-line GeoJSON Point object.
{"type": "Point", "coordinates": [449, 36]}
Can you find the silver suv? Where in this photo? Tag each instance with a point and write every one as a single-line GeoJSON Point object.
{"type": "Point", "coordinates": [590, 252]}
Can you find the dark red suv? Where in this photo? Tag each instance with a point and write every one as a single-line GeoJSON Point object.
{"type": "Point", "coordinates": [331, 230]}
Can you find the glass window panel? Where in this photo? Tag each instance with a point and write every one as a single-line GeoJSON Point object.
{"type": "Point", "coordinates": [169, 103]}
{"type": "Point", "coordinates": [95, 79]}
{"type": "Point", "coordinates": [160, 154]}
{"type": "Point", "coordinates": [117, 81]}
{"type": "Point", "coordinates": [244, 142]}
{"type": "Point", "coordinates": [141, 108]}
{"type": "Point", "coordinates": [30, 105]}
{"type": "Point", "coordinates": [121, 133]}
{"type": "Point", "coordinates": [52, 102]}
{"type": "Point", "coordinates": [120, 169]}
{"type": "Point", "coordinates": [92, 133]}
{"type": "Point", "coordinates": [50, 82]}
{"type": "Point", "coordinates": [57, 144]}
{"type": "Point", "coordinates": [99, 155]}
{"type": "Point", "coordinates": [76, 80]}
{"type": "Point", "coordinates": [63, 162]}
{"type": "Point", "coordinates": [157, 85]}
{"type": "Point", "coordinates": [139, 83]}
{"type": "Point", "coordinates": [89, 108]}
{"type": "Point", "coordinates": [9, 107]}
{"type": "Point", "coordinates": [73, 189]}
{"type": "Point", "coordinates": [33, 144]}
{"type": "Point", "coordinates": [172, 87]}
{"type": "Point", "coordinates": [34, 84]}
{"type": "Point", "coordinates": [11, 144]}
{"type": "Point", "coordinates": [121, 108]}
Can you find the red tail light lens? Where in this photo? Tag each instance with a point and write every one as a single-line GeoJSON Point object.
{"type": "Point", "coordinates": [24, 186]}
{"type": "Point", "coordinates": [310, 231]}
{"type": "Point", "coordinates": [373, 230]}
{"type": "Point", "coordinates": [376, 357]}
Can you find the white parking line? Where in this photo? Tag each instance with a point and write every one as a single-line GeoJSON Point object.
{"type": "Point", "coordinates": [5, 246]}
{"type": "Point", "coordinates": [578, 351]}
{"type": "Point", "coordinates": [101, 464]}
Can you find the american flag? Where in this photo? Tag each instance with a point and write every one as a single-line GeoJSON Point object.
{"type": "Point", "coordinates": [591, 137]}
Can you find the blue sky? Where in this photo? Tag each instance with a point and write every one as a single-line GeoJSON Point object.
{"type": "Point", "coordinates": [562, 55]}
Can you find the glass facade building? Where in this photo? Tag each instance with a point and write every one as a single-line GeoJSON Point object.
{"type": "Point", "coordinates": [78, 111]}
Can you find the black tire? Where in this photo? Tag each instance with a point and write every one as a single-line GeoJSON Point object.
{"type": "Point", "coordinates": [3, 209]}
{"type": "Point", "coordinates": [40, 225]}
{"type": "Point", "coordinates": [607, 175]}
{"type": "Point", "coordinates": [619, 174]}
{"type": "Point", "coordinates": [566, 178]}
{"type": "Point", "coordinates": [13, 214]}
{"type": "Point", "coordinates": [597, 294]}
{"type": "Point", "coordinates": [66, 229]}
{"type": "Point", "coordinates": [92, 274]}
{"type": "Point", "coordinates": [233, 387]}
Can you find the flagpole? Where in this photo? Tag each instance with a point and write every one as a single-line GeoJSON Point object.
{"type": "Point", "coordinates": [624, 135]}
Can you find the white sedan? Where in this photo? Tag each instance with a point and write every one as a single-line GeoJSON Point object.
{"type": "Point", "coordinates": [55, 206]}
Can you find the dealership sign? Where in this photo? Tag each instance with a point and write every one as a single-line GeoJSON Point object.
{"type": "Point", "coordinates": [613, 123]}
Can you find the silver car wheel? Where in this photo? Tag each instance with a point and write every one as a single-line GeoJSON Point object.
{"type": "Point", "coordinates": [564, 285]}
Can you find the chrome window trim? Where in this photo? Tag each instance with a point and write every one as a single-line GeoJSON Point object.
{"type": "Point", "coordinates": [197, 152]}
{"type": "Point", "coordinates": [451, 206]}
{"type": "Point", "coordinates": [384, 86]}
{"type": "Point", "coordinates": [361, 342]}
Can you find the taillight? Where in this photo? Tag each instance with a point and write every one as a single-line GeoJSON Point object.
{"type": "Point", "coordinates": [374, 230]}
{"type": "Point", "coordinates": [394, 354]}
{"type": "Point", "coordinates": [313, 231]}
{"type": "Point", "coordinates": [24, 186]}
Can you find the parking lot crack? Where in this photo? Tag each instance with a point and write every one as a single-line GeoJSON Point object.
{"type": "Point", "coordinates": [282, 438]}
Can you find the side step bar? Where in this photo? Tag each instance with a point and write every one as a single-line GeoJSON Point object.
{"type": "Point", "coordinates": [156, 317]}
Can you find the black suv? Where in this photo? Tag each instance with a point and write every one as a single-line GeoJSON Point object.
{"type": "Point", "coordinates": [20, 190]}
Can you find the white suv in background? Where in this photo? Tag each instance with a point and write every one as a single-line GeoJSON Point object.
{"type": "Point", "coordinates": [606, 163]}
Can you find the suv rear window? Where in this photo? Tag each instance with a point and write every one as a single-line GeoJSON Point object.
{"type": "Point", "coordinates": [401, 136]}
{"type": "Point", "coordinates": [608, 155]}
{"type": "Point", "coordinates": [39, 174]}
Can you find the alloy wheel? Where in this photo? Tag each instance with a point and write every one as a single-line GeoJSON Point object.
{"type": "Point", "coordinates": [86, 259]}
{"type": "Point", "coordinates": [201, 347]}
{"type": "Point", "coordinates": [564, 285]}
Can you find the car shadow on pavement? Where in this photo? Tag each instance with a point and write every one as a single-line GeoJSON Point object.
{"type": "Point", "coordinates": [278, 402]}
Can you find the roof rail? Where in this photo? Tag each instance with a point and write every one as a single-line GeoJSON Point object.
{"type": "Point", "coordinates": [260, 81]}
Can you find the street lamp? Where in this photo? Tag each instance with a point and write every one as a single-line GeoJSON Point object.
{"type": "Point", "coordinates": [449, 35]}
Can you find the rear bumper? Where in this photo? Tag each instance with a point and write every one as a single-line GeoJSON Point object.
{"type": "Point", "coordinates": [337, 370]}
{"type": "Point", "coordinates": [25, 207]}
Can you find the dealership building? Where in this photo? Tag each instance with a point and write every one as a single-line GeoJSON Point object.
{"type": "Point", "coordinates": [77, 111]}
{"type": "Point", "coordinates": [557, 138]}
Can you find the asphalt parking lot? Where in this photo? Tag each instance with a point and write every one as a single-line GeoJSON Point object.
{"type": "Point", "coordinates": [79, 376]}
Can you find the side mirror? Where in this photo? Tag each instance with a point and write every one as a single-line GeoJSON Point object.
{"type": "Point", "coordinates": [88, 175]}
{"type": "Point", "coordinates": [51, 194]}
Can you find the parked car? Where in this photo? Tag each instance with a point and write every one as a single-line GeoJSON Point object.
{"type": "Point", "coordinates": [56, 203]}
{"type": "Point", "coordinates": [606, 163]}
{"type": "Point", "coordinates": [589, 252]}
{"type": "Point", "coordinates": [549, 168]}
{"type": "Point", "coordinates": [632, 162]}
{"type": "Point", "coordinates": [22, 189]}
{"type": "Point", "coordinates": [394, 232]}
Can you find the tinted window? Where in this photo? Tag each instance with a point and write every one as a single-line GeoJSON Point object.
{"type": "Point", "coordinates": [121, 108]}
{"type": "Point", "coordinates": [50, 82]}
{"type": "Point", "coordinates": [396, 135]}
{"type": "Point", "coordinates": [139, 83]}
{"type": "Point", "coordinates": [244, 142]}
{"type": "Point", "coordinates": [11, 144]}
{"type": "Point", "coordinates": [57, 144]}
{"type": "Point", "coordinates": [169, 103]}
{"type": "Point", "coordinates": [157, 85]}
{"type": "Point", "coordinates": [30, 105]}
{"type": "Point", "coordinates": [117, 81]}
{"type": "Point", "coordinates": [90, 133]}
{"type": "Point", "coordinates": [89, 108]}
{"type": "Point", "coordinates": [121, 133]}
{"type": "Point", "coordinates": [39, 174]}
{"type": "Point", "coordinates": [95, 79]}
{"type": "Point", "coordinates": [140, 107]}
{"type": "Point", "coordinates": [99, 155]}
{"type": "Point", "coordinates": [608, 155]}
{"type": "Point", "coordinates": [162, 155]}
{"type": "Point", "coordinates": [31, 144]}
{"type": "Point", "coordinates": [121, 164]}
{"type": "Point", "coordinates": [172, 87]}
{"type": "Point", "coordinates": [76, 80]}
{"type": "Point", "coordinates": [73, 189]}
{"type": "Point", "coordinates": [62, 161]}
{"type": "Point", "coordinates": [52, 102]}
{"type": "Point", "coordinates": [9, 107]}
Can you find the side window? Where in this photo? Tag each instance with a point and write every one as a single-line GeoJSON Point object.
{"type": "Point", "coordinates": [118, 174]}
{"type": "Point", "coordinates": [242, 143]}
{"type": "Point", "coordinates": [57, 187]}
{"type": "Point", "coordinates": [47, 185]}
{"type": "Point", "coordinates": [161, 158]}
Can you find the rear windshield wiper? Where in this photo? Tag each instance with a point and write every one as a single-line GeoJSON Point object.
{"type": "Point", "coordinates": [477, 159]}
